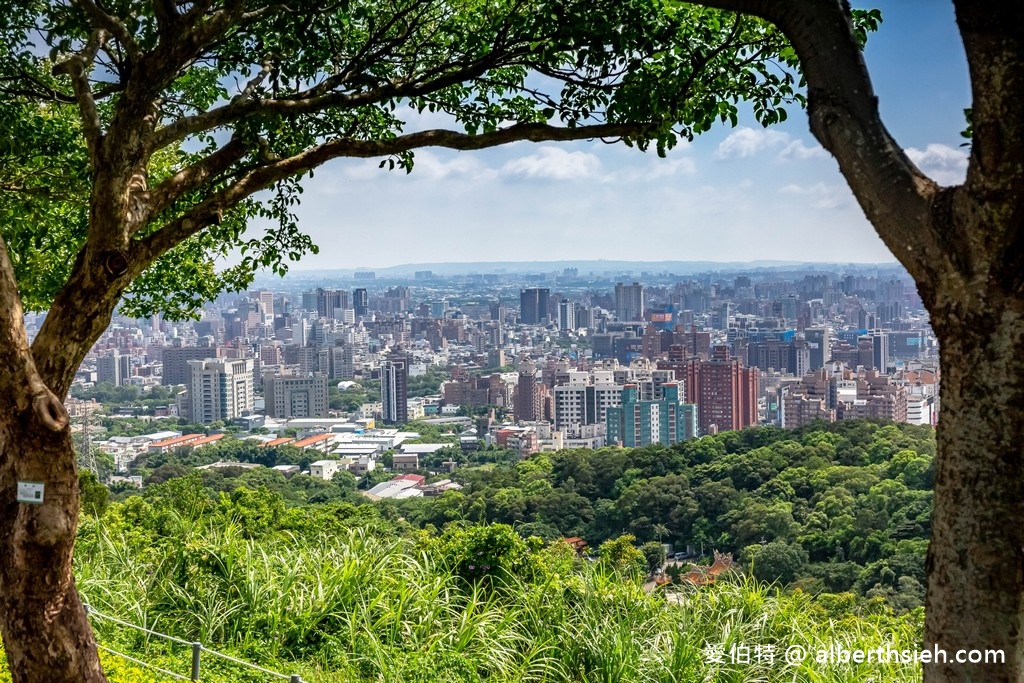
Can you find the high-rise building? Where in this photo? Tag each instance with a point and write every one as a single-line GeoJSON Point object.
{"type": "Point", "coordinates": [330, 302]}
{"type": "Point", "coordinates": [175, 362]}
{"type": "Point", "coordinates": [289, 396]}
{"type": "Point", "coordinates": [265, 300]}
{"type": "Point", "coordinates": [639, 422]}
{"type": "Point", "coordinates": [533, 306]}
{"type": "Point", "coordinates": [394, 390]}
{"type": "Point", "coordinates": [566, 315]}
{"type": "Point", "coordinates": [220, 389]}
{"type": "Point", "coordinates": [525, 399]}
{"type": "Point", "coordinates": [309, 300]}
{"type": "Point", "coordinates": [360, 301]}
{"type": "Point", "coordinates": [629, 301]}
{"type": "Point", "coordinates": [819, 339]}
{"type": "Point", "coordinates": [115, 368]}
{"type": "Point", "coordinates": [342, 362]}
{"type": "Point", "coordinates": [878, 344]}
{"type": "Point", "coordinates": [727, 393]}
{"type": "Point", "coordinates": [584, 399]}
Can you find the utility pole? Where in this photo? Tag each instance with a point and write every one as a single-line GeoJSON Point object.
{"type": "Point", "coordinates": [87, 459]}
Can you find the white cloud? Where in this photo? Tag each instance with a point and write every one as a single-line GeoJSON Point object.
{"type": "Point", "coordinates": [747, 142]}
{"type": "Point", "coordinates": [654, 170]}
{"type": "Point", "coordinates": [426, 166]}
{"type": "Point", "coordinates": [820, 195]}
{"type": "Point", "coordinates": [946, 165]}
{"type": "Point", "coordinates": [429, 166]}
{"type": "Point", "coordinates": [798, 150]}
{"type": "Point", "coordinates": [554, 163]}
{"type": "Point", "coordinates": [663, 168]}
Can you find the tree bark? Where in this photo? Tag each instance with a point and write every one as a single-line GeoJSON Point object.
{"type": "Point", "coordinates": [975, 562]}
{"type": "Point", "coordinates": [46, 633]}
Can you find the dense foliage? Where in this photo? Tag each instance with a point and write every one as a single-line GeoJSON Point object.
{"type": "Point", "coordinates": [831, 507]}
{"type": "Point", "coordinates": [340, 592]}
{"type": "Point", "coordinates": [306, 575]}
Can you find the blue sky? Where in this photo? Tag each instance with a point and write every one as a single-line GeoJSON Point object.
{"type": "Point", "coordinates": [734, 194]}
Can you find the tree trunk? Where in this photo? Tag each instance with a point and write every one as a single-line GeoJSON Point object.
{"type": "Point", "coordinates": [975, 560]}
{"type": "Point", "coordinates": [46, 633]}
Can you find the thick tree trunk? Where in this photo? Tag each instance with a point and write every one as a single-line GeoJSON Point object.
{"type": "Point", "coordinates": [46, 633]}
{"type": "Point", "coordinates": [976, 558]}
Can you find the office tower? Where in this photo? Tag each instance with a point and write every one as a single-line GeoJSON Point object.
{"type": "Point", "coordinates": [220, 389]}
{"type": "Point", "coordinates": [584, 317]}
{"type": "Point", "coordinates": [394, 390]}
{"type": "Point", "coordinates": [566, 315]}
{"type": "Point", "coordinates": [289, 396]}
{"type": "Point", "coordinates": [329, 302]}
{"type": "Point", "coordinates": [638, 422]}
{"type": "Point", "coordinates": [265, 300]}
{"type": "Point", "coordinates": [819, 339]}
{"type": "Point", "coordinates": [175, 362]}
{"type": "Point", "coordinates": [878, 344]}
{"type": "Point", "coordinates": [497, 311]}
{"type": "Point", "coordinates": [114, 368]}
{"type": "Point", "coordinates": [533, 306]}
{"type": "Point", "coordinates": [525, 406]}
{"type": "Point", "coordinates": [727, 394]}
{"type": "Point", "coordinates": [309, 300]}
{"type": "Point", "coordinates": [629, 301]}
{"type": "Point", "coordinates": [360, 301]}
{"type": "Point", "coordinates": [438, 309]}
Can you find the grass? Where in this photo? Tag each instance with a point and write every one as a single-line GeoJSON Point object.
{"type": "Point", "coordinates": [364, 607]}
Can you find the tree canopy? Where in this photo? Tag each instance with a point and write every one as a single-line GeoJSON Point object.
{"type": "Point", "coordinates": [142, 130]}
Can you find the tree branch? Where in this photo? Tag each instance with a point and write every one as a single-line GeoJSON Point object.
{"type": "Point", "coordinates": [994, 42]}
{"type": "Point", "coordinates": [21, 388]}
{"type": "Point", "coordinates": [167, 17]}
{"type": "Point", "coordinates": [75, 67]}
{"type": "Point", "coordinates": [113, 26]}
{"type": "Point", "coordinates": [148, 249]}
{"type": "Point", "coordinates": [242, 107]}
{"type": "Point", "coordinates": [190, 178]}
{"type": "Point", "coordinates": [894, 194]}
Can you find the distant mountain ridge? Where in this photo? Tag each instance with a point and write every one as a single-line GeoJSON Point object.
{"type": "Point", "coordinates": [600, 266]}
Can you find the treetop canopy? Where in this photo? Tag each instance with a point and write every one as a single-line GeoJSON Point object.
{"type": "Point", "coordinates": [142, 129]}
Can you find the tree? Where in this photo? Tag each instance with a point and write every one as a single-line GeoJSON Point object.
{"type": "Point", "coordinates": [964, 247]}
{"type": "Point", "coordinates": [654, 555]}
{"type": "Point", "coordinates": [777, 561]}
{"type": "Point", "coordinates": [137, 146]}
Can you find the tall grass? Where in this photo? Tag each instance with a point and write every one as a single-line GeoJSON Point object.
{"type": "Point", "coordinates": [360, 606]}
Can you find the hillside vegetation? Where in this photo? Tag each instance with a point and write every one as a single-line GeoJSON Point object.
{"type": "Point", "coordinates": [828, 524]}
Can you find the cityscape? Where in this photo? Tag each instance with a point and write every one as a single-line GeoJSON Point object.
{"type": "Point", "coordinates": [459, 342]}
{"type": "Point", "coordinates": [530, 359]}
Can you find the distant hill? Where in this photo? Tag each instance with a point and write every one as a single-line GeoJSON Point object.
{"type": "Point", "coordinates": [600, 267]}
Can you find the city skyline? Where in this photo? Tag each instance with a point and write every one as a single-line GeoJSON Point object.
{"type": "Point", "coordinates": [734, 194]}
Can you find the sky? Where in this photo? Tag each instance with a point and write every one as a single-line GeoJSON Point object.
{"type": "Point", "coordinates": [733, 194]}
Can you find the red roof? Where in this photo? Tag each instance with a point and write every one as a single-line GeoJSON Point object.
{"type": "Point", "coordinates": [206, 439]}
{"type": "Point", "coordinates": [311, 440]}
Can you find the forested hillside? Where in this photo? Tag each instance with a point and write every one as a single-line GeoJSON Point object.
{"type": "Point", "coordinates": [829, 525]}
{"type": "Point", "coordinates": [833, 507]}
